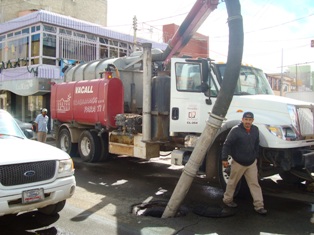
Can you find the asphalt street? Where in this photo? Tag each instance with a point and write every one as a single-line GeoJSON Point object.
{"type": "Point", "coordinates": [107, 194]}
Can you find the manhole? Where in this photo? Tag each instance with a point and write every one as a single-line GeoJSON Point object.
{"type": "Point", "coordinates": [155, 209]}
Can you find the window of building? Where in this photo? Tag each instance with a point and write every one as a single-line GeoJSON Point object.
{"type": "Point", "coordinates": [77, 48]}
{"type": "Point", "coordinates": [58, 43]}
{"type": "Point", "coordinates": [49, 45]}
{"type": "Point", "coordinates": [91, 37]}
{"type": "Point", "coordinates": [17, 49]}
{"type": "Point", "coordinates": [114, 52]}
{"type": "Point", "coordinates": [49, 49]}
{"type": "Point", "coordinates": [25, 31]}
{"type": "Point", "coordinates": [103, 40]}
{"type": "Point", "coordinates": [35, 28]}
{"type": "Point", "coordinates": [65, 32]}
{"type": "Point", "coordinates": [35, 48]}
{"type": "Point", "coordinates": [79, 35]}
{"type": "Point", "coordinates": [103, 51]}
{"type": "Point", "coordinates": [49, 28]}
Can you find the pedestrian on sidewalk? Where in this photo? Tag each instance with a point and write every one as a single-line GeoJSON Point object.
{"type": "Point", "coordinates": [242, 144]}
{"type": "Point", "coordinates": [41, 123]}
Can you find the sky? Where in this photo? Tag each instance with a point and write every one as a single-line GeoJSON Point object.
{"type": "Point", "coordinates": [277, 33]}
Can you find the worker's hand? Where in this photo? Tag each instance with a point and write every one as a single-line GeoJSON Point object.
{"type": "Point", "coordinates": [225, 164]}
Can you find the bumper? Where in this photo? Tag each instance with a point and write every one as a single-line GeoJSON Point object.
{"type": "Point", "coordinates": [59, 190]}
{"type": "Point", "coordinates": [309, 161]}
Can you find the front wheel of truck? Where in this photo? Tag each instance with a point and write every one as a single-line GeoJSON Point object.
{"type": "Point", "coordinates": [224, 175]}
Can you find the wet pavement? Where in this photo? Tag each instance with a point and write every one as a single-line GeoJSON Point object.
{"type": "Point", "coordinates": [109, 193]}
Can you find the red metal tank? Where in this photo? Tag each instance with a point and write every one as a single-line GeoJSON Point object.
{"type": "Point", "coordinates": [88, 102]}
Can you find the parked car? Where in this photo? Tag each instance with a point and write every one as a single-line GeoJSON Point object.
{"type": "Point", "coordinates": [26, 127]}
{"type": "Point", "coordinates": [33, 175]}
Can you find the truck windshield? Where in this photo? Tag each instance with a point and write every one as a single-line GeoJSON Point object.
{"type": "Point", "coordinates": [252, 81]}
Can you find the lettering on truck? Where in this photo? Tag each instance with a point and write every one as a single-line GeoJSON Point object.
{"type": "Point", "coordinates": [83, 89]}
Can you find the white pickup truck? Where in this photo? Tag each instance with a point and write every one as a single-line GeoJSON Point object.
{"type": "Point", "coordinates": [33, 175]}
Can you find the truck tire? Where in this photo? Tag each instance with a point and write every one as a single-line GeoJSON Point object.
{"type": "Point", "coordinates": [89, 146]}
{"type": "Point", "coordinates": [224, 174]}
{"type": "Point", "coordinates": [52, 209]}
{"type": "Point", "coordinates": [65, 144]}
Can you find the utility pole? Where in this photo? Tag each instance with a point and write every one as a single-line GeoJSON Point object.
{"type": "Point", "coordinates": [219, 111]}
{"type": "Point", "coordinates": [134, 30]}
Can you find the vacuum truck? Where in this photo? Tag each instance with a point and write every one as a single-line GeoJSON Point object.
{"type": "Point", "coordinates": [139, 105]}
{"type": "Point", "coordinates": [97, 117]}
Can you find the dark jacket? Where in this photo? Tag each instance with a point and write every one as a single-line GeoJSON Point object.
{"type": "Point", "coordinates": [241, 145]}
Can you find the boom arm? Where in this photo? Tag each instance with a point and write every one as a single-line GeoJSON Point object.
{"type": "Point", "coordinates": [197, 15]}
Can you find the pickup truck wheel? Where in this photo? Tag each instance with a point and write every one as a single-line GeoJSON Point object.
{"type": "Point", "coordinates": [64, 143]}
{"type": "Point", "coordinates": [89, 146]}
{"type": "Point", "coordinates": [52, 209]}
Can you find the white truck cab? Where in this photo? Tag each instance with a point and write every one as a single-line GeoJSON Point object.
{"type": "Point", "coordinates": [286, 125]}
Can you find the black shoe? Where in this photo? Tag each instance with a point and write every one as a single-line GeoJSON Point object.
{"type": "Point", "coordinates": [231, 204]}
{"type": "Point", "coordinates": [261, 211]}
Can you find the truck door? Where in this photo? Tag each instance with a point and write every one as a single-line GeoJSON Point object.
{"type": "Point", "coordinates": [188, 106]}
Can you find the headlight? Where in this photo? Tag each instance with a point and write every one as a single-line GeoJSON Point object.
{"type": "Point", "coordinates": [66, 168]}
{"type": "Point", "coordinates": [283, 132]}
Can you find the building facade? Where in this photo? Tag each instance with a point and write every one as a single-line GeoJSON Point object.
{"type": "Point", "coordinates": [280, 83]}
{"type": "Point", "coordinates": [34, 49]}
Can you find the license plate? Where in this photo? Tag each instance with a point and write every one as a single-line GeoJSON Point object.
{"type": "Point", "coordinates": [33, 195]}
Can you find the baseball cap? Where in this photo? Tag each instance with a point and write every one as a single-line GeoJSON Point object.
{"type": "Point", "coordinates": [44, 110]}
{"type": "Point", "coordinates": [248, 115]}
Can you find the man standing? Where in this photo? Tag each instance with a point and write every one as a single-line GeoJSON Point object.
{"type": "Point", "coordinates": [242, 144]}
{"type": "Point", "coordinates": [41, 122]}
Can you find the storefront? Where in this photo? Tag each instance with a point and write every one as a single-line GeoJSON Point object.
{"type": "Point", "coordinates": [24, 98]}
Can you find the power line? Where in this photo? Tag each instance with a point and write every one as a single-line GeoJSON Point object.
{"type": "Point", "coordinates": [279, 25]}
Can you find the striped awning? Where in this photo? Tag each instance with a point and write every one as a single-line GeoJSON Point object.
{"type": "Point", "coordinates": [27, 72]}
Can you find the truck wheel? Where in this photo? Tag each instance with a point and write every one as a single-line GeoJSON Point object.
{"type": "Point", "coordinates": [104, 141]}
{"type": "Point", "coordinates": [64, 143]}
{"type": "Point", "coordinates": [52, 209]}
{"type": "Point", "coordinates": [224, 174]}
{"type": "Point", "coordinates": [89, 146]}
